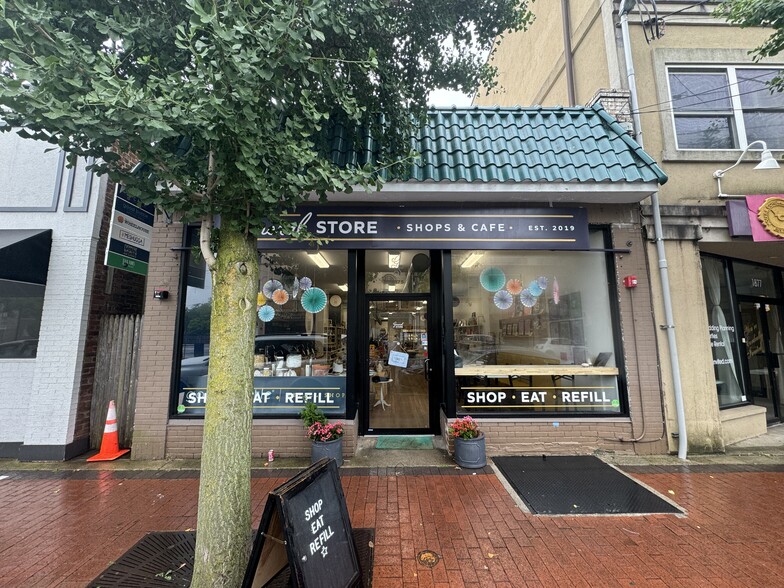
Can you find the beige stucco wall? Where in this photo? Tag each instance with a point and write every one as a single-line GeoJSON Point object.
{"type": "Point", "coordinates": [531, 63]}
{"type": "Point", "coordinates": [698, 382]}
{"type": "Point", "coordinates": [691, 172]}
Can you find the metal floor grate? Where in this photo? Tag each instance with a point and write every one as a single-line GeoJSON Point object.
{"type": "Point", "coordinates": [166, 559]}
{"type": "Point", "coordinates": [157, 559]}
{"type": "Point", "coordinates": [580, 484]}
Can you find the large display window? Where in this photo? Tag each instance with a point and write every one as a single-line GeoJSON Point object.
{"type": "Point", "coordinates": [533, 332]}
{"type": "Point", "coordinates": [300, 347]}
{"type": "Point", "coordinates": [723, 333]}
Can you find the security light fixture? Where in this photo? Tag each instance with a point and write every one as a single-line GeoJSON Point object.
{"type": "Point", "coordinates": [767, 161]}
{"type": "Point", "coordinates": [319, 260]}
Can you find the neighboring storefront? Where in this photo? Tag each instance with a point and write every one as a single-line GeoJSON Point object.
{"type": "Point", "coordinates": [489, 284]}
{"type": "Point", "coordinates": [745, 305]}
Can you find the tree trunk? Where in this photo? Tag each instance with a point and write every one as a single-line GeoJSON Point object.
{"type": "Point", "coordinates": [223, 532]}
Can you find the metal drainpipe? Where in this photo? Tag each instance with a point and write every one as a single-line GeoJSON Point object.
{"type": "Point", "coordinates": [663, 272]}
{"type": "Point", "coordinates": [566, 19]}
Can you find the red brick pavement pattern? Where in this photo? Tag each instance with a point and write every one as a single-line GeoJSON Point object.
{"type": "Point", "coordinates": [64, 532]}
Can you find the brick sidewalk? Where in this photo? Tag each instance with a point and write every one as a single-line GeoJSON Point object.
{"type": "Point", "coordinates": [63, 528]}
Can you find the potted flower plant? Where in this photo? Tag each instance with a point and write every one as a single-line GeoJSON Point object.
{"type": "Point", "coordinates": [326, 437]}
{"type": "Point", "coordinates": [469, 443]}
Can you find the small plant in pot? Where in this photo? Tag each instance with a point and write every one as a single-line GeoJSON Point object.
{"type": "Point", "coordinates": [469, 443]}
{"type": "Point", "coordinates": [326, 437]}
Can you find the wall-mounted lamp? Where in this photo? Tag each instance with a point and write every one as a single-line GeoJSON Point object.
{"type": "Point", "coordinates": [472, 259]}
{"type": "Point", "coordinates": [767, 161]}
{"type": "Point", "coordinates": [319, 260]}
{"type": "Point", "coordinates": [160, 294]}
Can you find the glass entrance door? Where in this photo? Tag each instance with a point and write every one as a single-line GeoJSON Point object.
{"type": "Point", "coordinates": [399, 364]}
{"type": "Point", "coordinates": [765, 353]}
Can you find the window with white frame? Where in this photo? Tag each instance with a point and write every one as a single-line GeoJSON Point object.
{"type": "Point", "coordinates": [726, 107]}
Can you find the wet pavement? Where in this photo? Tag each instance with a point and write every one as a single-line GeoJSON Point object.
{"type": "Point", "coordinates": [62, 524]}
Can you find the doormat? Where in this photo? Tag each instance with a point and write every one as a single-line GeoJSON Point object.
{"type": "Point", "coordinates": [166, 559]}
{"type": "Point", "coordinates": [581, 484]}
{"type": "Point", "coordinates": [404, 442]}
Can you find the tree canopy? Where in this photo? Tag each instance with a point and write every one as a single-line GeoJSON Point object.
{"type": "Point", "coordinates": [226, 102]}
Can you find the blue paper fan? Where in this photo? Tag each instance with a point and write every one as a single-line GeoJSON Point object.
{"type": "Point", "coordinates": [492, 279]}
{"type": "Point", "coordinates": [534, 288]}
{"type": "Point", "coordinates": [313, 300]}
{"type": "Point", "coordinates": [270, 286]}
{"type": "Point", "coordinates": [502, 299]}
{"type": "Point", "coordinates": [266, 313]}
{"type": "Point", "coordinates": [305, 283]}
{"type": "Point", "coordinates": [542, 281]}
{"type": "Point", "coordinates": [527, 298]}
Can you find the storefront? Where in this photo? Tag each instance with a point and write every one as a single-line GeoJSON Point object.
{"type": "Point", "coordinates": [426, 305]}
{"type": "Point", "coordinates": [745, 301]}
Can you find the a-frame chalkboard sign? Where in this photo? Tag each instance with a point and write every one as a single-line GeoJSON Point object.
{"type": "Point", "coordinates": [305, 526]}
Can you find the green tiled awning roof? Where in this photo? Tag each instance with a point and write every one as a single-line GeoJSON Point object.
{"type": "Point", "coordinates": [530, 145]}
{"type": "Point", "coordinates": [534, 145]}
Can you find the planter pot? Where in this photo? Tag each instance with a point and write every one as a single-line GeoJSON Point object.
{"type": "Point", "coordinates": [470, 453]}
{"type": "Point", "coordinates": [333, 449]}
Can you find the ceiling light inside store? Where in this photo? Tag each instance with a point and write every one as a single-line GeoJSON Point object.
{"type": "Point", "coordinates": [319, 260]}
{"type": "Point", "coordinates": [390, 287]}
{"type": "Point", "coordinates": [343, 287]}
{"type": "Point", "coordinates": [393, 259]}
{"type": "Point", "coordinates": [472, 259]}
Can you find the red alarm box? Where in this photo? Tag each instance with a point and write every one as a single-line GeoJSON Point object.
{"type": "Point", "coordinates": [630, 281]}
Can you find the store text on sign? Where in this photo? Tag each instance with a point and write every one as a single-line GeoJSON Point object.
{"type": "Point", "coordinates": [307, 515]}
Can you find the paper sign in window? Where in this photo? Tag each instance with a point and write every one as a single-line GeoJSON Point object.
{"type": "Point", "coordinates": [398, 358]}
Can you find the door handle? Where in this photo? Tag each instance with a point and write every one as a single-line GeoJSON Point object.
{"type": "Point", "coordinates": [427, 369]}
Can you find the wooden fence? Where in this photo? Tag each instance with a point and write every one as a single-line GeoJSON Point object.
{"type": "Point", "coordinates": [116, 375]}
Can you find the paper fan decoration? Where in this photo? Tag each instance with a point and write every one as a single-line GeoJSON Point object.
{"type": "Point", "coordinates": [305, 283]}
{"type": "Point", "coordinates": [492, 279]}
{"type": "Point", "coordinates": [270, 286]}
{"type": "Point", "coordinates": [261, 300]}
{"type": "Point", "coordinates": [534, 288]}
{"type": "Point", "coordinates": [295, 288]}
{"type": "Point", "coordinates": [502, 299]}
{"type": "Point", "coordinates": [280, 297]}
{"type": "Point", "coordinates": [527, 298]}
{"type": "Point", "coordinates": [266, 313]}
{"type": "Point", "coordinates": [556, 291]}
{"type": "Point", "coordinates": [514, 286]}
{"type": "Point", "coordinates": [313, 300]}
{"type": "Point", "coordinates": [542, 281]}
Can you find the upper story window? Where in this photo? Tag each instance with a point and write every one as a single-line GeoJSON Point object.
{"type": "Point", "coordinates": [726, 107]}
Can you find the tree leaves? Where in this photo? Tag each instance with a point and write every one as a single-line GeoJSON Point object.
{"type": "Point", "coordinates": [259, 85]}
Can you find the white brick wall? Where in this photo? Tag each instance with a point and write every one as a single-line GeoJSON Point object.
{"type": "Point", "coordinates": [39, 396]}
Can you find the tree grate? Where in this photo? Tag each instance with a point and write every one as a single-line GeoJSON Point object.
{"type": "Point", "coordinates": [166, 559]}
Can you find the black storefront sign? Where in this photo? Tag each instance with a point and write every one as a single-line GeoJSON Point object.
{"type": "Point", "coordinates": [436, 228]}
{"type": "Point", "coordinates": [306, 527]}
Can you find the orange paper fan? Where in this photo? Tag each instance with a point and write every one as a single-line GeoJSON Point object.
{"type": "Point", "coordinates": [280, 297]}
{"type": "Point", "coordinates": [514, 287]}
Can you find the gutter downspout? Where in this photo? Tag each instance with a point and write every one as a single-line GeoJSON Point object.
{"type": "Point", "coordinates": [566, 19]}
{"type": "Point", "coordinates": [663, 271]}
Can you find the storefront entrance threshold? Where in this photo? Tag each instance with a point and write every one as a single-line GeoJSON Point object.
{"type": "Point", "coordinates": [368, 455]}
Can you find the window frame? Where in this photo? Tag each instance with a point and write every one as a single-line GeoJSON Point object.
{"type": "Point", "coordinates": [736, 113]}
{"type": "Point", "coordinates": [665, 58]}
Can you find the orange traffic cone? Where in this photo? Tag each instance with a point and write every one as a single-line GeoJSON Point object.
{"type": "Point", "coordinates": [110, 444]}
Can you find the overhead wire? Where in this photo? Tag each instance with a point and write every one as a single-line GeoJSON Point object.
{"type": "Point", "coordinates": [645, 109]}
